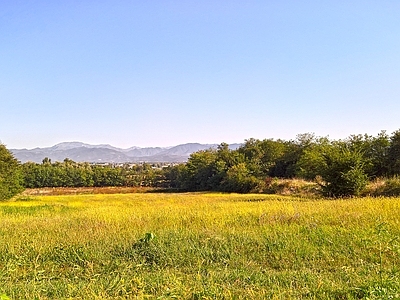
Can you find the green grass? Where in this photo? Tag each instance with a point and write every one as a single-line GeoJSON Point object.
{"type": "Point", "coordinates": [199, 246]}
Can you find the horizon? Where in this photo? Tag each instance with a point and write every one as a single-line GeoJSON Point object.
{"type": "Point", "coordinates": [128, 73]}
{"type": "Point", "coordinates": [202, 143]}
{"type": "Point", "coordinates": [110, 145]}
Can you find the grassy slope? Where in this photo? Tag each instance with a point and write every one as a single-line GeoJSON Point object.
{"type": "Point", "coordinates": [206, 246]}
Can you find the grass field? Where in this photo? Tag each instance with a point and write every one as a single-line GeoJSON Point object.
{"type": "Point", "coordinates": [198, 246]}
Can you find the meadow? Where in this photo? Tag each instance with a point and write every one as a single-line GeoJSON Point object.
{"type": "Point", "coordinates": [198, 246]}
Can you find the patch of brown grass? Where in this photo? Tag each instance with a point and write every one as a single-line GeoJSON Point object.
{"type": "Point", "coordinates": [86, 190]}
{"type": "Point", "coordinates": [292, 187]}
{"type": "Point", "coordinates": [383, 187]}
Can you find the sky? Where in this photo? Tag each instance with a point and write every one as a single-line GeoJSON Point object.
{"type": "Point", "coordinates": [163, 73]}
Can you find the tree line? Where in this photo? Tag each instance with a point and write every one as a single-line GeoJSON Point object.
{"type": "Point", "coordinates": [74, 174]}
{"type": "Point", "coordinates": [341, 167]}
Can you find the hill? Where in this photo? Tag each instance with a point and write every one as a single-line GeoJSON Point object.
{"type": "Point", "coordinates": [81, 152]}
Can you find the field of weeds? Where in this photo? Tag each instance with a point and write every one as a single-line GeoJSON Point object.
{"type": "Point", "coordinates": [198, 246]}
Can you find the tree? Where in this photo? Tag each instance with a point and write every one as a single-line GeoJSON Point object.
{"type": "Point", "coordinates": [175, 176]}
{"type": "Point", "coordinates": [10, 174]}
{"type": "Point", "coordinates": [239, 179]}
{"type": "Point", "coordinates": [343, 171]}
{"type": "Point", "coordinates": [201, 171]}
{"type": "Point", "coordinates": [285, 166]}
{"type": "Point", "coordinates": [394, 153]}
{"type": "Point", "coordinates": [375, 152]}
{"type": "Point", "coordinates": [261, 156]}
{"type": "Point", "coordinates": [312, 162]}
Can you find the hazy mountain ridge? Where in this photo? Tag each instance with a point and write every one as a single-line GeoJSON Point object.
{"type": "Point", "coordinates": [81, 152]}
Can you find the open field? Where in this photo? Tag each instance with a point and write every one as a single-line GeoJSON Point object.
{"type": "Point", "coordinates": [198, 246]}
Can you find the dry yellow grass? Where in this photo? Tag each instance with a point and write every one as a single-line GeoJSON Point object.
{"type": "Point", "coordinates": [206, 246]}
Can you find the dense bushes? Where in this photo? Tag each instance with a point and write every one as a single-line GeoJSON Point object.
{"type": "Point", "coordinates": [344, 167]}
{"type": "Point", "coordinates": [343, 172]}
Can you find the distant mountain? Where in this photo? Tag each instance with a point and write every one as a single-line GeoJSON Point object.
{"type": "Point", "coordinates": [73, 145]}
{"type": "Point", "coordinates": [81, 152]}
{"type": "Point", "coordinates": [143, 152]}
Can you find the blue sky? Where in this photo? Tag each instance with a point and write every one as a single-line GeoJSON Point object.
{"type": "Point", "coordinates": [162, 73]}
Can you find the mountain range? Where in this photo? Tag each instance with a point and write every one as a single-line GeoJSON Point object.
{"type": "Point", "coordinates": [81, 152]}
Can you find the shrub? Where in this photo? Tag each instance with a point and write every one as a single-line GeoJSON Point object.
{"type": "Point", "coordinates": [343, 173]}
{"type": "Point", "coordinates": [239, 179]}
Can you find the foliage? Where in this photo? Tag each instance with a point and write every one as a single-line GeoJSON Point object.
{"type": "Point", "coordinates": [213, 170]}
{"type": "Point", "coordinates": [261, 156]}
{"type": "Point", "coordinates": [73, 174]}
{"type": "Point", "coordinates": [374, 150]}
{"type": "Point", "coordinates": [343, 171]}
{"type": "Point", "coordinates": [312, 163]}
{"type": "Point", "coordinates": [239, 179]}
{"type": "Point", "coordinates": [201, 172]}
{"type": "Point", "coordinates": [10, 175]}
{"type": "Point", "coordinates": [394, 153]}
{"type": "Point", "coordinates": [175, 176]}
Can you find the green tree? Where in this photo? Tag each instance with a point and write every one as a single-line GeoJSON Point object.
{"type": "Point", "coordinates": [394, 153]}
{"type": "Point", "coordinates": [10, 174]}
{"type": "Point", "coordinates": [29, 174]}
{"type": "Point", "coordinates": [312, 162]}
{"type": "Point", "coordinates": [261, 156]}
{"type": "Point", "coordinates": [175, 176]}
{"type": "Point", "coordinates": [200, 171]}
{"type": "Point", "coordinates": [239, 179]}
{"type": "Point", "coordinates": [343, 171]}
{"type": "Point", "coordinates": [375, 151]}
{"type": "Point", "coordinates": [285, 165]}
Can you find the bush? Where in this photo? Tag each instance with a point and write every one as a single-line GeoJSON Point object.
{"type": "Point", "coordinates": [343, 173]}
{"type": "Point", "coordinates": [239, 180]}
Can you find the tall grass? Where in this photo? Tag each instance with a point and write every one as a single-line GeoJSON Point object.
{"type": "Point", "coordinates": [199, 246]}
{"type": "Point", "coordinates": [384, 187]}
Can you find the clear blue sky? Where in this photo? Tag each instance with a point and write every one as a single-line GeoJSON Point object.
{"type": "Point", "coordinates": [161, 73]}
